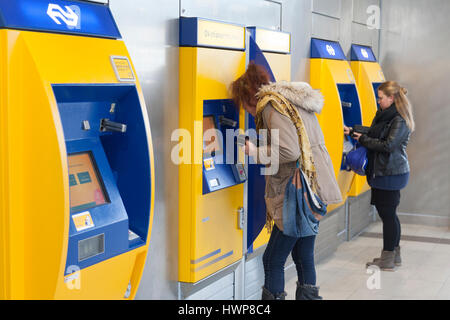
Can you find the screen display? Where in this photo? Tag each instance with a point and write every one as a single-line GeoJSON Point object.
{"type": "Point", "coordinates": [211, 142]}
{"type": "Point", "coordinates": [86, 188]}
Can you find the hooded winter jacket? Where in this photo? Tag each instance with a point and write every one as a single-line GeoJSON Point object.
{"type": "Point", "coordinates": [308, 102]}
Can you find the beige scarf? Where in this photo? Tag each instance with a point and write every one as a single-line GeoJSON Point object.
{"type": "Point", "coordinates": [283, 106]}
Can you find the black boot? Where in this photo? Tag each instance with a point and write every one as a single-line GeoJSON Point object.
{"type": "Point", "coordinates": [307, 292]}
{"type": "Point", "coordinates": [267, 295]}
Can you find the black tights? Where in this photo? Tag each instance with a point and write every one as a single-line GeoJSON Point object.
{"type": "Point", "coordinates": [391, 226]}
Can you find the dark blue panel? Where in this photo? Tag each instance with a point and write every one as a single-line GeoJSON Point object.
{"type": "Point", "coordinates": [128, 155]}
{"type": "Point", "coordinates": [256, 205]}
{"type": "Point", "coordinates": [362, 53]}
{"type": "Point", "coordinates": [122, 159]}
{"type": "Point", "coordinates": [351, 113]}
{"type": "Point", "coordinates": [324, 49]}
{"type": "Point", "coordinates": [73, 17]}
{"type": "Point", "coordinates": [188, 32]}
{"type": "Point", "coordinates": [375, 90]}
{"type": "Point", "coordinates": [257, 56]}
{"type": "Point", "coordinates": [224, 171]}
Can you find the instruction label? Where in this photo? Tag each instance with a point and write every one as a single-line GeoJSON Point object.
{"type": "Point", "coordinates": [122, 68]}
{"type": "Point", "coordinates": [83, 221]}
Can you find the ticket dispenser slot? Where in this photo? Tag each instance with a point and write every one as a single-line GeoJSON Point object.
{"type": "Point", "coordinates": [332, 74]}
{"type": "Point", "coordinates": [270, 49]}
{"type": "Point", "coordinates": [211, 182]}
{"type": "Point", "coordinates": [368, 77]}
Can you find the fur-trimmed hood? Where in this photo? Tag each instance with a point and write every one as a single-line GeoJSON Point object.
{"type": "Point", "coordinates": [299, 93]}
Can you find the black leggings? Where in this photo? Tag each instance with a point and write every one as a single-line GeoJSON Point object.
{"type": "Point", "coordinates": [391, 226]}
{"type": "Point", "coordinates": [386, 202]}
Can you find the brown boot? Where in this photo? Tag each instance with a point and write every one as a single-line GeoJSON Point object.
{"type": "Point", "coordinates": [385, 262]}
{"type": "Point", "coordinates": [267, 295]}
{"type": "Point", "coordinates": [397, 259]}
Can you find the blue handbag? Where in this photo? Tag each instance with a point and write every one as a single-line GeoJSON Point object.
{"type": "Point", "coordinates": [302, 208]}
{"type": "Point", "coordinates": [356, 160]}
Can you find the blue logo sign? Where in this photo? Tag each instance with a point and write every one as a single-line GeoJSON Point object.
{"type": "Point", "coordinates": [326, 49]}
{"type": "Point", "coordinates": [362, 53]}
{"type": "Point", "coordinates": [59, 16]}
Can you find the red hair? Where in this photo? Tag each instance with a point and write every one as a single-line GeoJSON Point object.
{"type": "Point", "coordinates": [243, 89]}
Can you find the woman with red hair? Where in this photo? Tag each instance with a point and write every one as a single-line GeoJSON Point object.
{"type": "Point", "coordinates": [290, 108]}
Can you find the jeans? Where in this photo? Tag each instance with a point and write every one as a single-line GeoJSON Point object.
{"type": "Point", "coordinates": [391, 226]}
{"type": "Point", "coordinates": [274, 259]}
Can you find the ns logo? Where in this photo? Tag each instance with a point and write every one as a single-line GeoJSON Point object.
{"type": "Point", "coordinates": [70, 16]}
{"type": "Point", "coordinates": [330, 50]}
{"type": "Point", "coordinates": [364, 53]}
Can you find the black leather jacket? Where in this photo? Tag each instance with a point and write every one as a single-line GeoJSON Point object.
{"type": "Point", "coordinates": [387, 153]}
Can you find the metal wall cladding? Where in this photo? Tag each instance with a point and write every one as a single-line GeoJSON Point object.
{"type": "Point", "coordinates": [151, 34]}
{"type": "Point", "coordinates": [327, 7]}
{"type": "Point", "coordinates": [325, 27]}
{"type": "Point", "coordinates": [414, 52]}
{"type": "Point", "coordinates": [362, 35]}
{"type": "Point", "coordinates": [260, 13]}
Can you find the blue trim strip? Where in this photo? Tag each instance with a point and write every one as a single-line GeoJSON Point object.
{"type": "Point", "coordinates": [62, 16]}
{"type": "Point", "coordinates": [209, 255]}
{"type": "Point", "coordinates": [226, 255]}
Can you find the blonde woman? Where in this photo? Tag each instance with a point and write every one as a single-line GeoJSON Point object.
{"type": "Point", "coordinates": [388, 168]}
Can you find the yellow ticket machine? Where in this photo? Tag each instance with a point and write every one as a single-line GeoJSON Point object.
{"type": "Point", "coordinates": [211, 180]}
{"type": "Point", "coordinates": [331, 73]}
{"type": "Point", "coordinates": [271, 49]}
{"type": "Point", "coordinates": [368, 75]}
{"type": "Point", "coordinates": [76, 161]}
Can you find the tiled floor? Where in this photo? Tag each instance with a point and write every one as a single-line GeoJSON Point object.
{"type": "Point", "coordinates": [424, 274]}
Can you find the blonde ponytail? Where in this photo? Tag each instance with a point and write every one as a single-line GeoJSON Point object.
{"type": "Point", "coordinates": [404, 108]}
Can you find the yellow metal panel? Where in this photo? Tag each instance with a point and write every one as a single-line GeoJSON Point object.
{"type": "Point", "coordinates": [187, 96]}
{"type": "Point", "coordinates": [98, 280]}
{"type": "Point", "coordinates": [366, 73]}
{"type": "Point", "coordinates": [34, 176]}
{"type": "Point", "coordinates": [325, 75]}
{"type": "Point", "coordinates": [208, 222]}
{"type": "Point", "coordinates": [36, 186]}
{"type": "Point", "coordinates": [280, 64]}
{"type": "Point", "coordinates": [330, 119]}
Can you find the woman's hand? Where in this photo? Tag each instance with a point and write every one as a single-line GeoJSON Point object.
{"type": "Point", "coordinates": [250, 149]}
{"type": "Point", "coordinates": [347, 130]}
{"type": "Point", "coordinates": [356, 136]}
